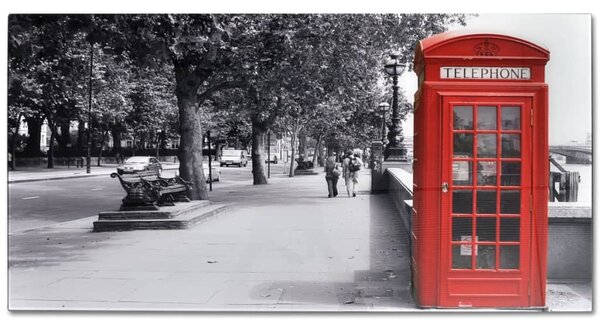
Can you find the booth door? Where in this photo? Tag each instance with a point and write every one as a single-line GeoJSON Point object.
{"type": "Point", "coordinates": [486, 191]}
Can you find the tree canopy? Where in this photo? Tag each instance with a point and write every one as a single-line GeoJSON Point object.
{"type": "Point", "coordinates": [238, 75]}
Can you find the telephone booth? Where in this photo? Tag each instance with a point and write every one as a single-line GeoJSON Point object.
{"type": "Point", "coordinates": [480, 173]}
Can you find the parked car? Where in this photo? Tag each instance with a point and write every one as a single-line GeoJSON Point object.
{"type": "Point", "coordinates": [272, 158]}
{"type": "Point", "coordinates": [140, 163]}
{"type": "Point", "coordinates": [234, 157]}
{"type": "Point", "coordinates": [216, 172]}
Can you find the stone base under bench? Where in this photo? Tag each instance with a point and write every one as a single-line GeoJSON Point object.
{"type": "Point", "coordinates": [182, 215]}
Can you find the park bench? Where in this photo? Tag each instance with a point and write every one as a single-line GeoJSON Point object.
{"type": "Point", "coordinates": [148, 191]}
{"type": "Point", "coordinates": [304, 165]}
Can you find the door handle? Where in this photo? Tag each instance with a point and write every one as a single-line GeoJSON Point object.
{"type": "Point", "coordinates": [444, 187]}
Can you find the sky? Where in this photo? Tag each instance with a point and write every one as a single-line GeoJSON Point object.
{"type": "Point", "coordinates": [568, 73]}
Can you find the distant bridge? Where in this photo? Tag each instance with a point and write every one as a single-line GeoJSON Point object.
{"type": "Point", "coordinates": [574, 154]}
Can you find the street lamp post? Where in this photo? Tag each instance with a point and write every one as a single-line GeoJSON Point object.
{"type": "Point", "coordinates": [383, 108]}
{"type": "Point", "coordinates": [88, 168]}
{"type": "Point", "coordinates": [394, 150]}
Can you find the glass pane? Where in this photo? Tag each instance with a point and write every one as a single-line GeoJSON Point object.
{"type": "Point", "coordinates": [462, 173]}
{"type": "Point", "coordinates": [486, 173]}
{"type": "Point", "coordinates": [511, 174]}
{"type": "Point", "coordinates": [461, 228]}
{"type": "Point", "coordinates": [461, 256]}
{"type": "Point", "coordinates": [486, 229]}
{"type": "Point", "coordinates": [511, 117]}
{"type": "Point", "coordinates": [486, 202]}
{"type": "Point", "coordinates": [463, 145]}
{"type": "Point", "coordinates": [486, 117]}
{"type": "Point", "coordinates": [463, 117]}
{"type": "Point", "coordinates": [510, 202]}
{"type": "Point", "coordinates": [509, 257]}
{"type": "Point", "coordinates": [486, 145]}
{"type": "Point", "coordinates": [511, 145]}
{"type": "Point", "coordinates": [486, 257]}
{"type": "Point", "coordinates": [510, 229]}
{"type": "Point", "coordinates": [462, 202]}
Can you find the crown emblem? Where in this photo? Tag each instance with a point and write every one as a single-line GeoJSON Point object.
{"type": "Point", "coordinates": [486, 48]}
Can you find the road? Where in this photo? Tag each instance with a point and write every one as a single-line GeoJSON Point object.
{"type": "Point", "coordinates": [41, 203]}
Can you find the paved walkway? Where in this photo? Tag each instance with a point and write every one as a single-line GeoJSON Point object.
{"type": "Point", "coordinates": [284, 246]}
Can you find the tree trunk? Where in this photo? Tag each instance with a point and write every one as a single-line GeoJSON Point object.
{"type": "Point", "coordinates": [302, 143]}
{"type": "Point", "coordinates": [190, 147]}
{"type": "Point", "coordinates": [258, 145]}
{"type": "Point", "coordinates": [51, 149]}
{"type": "Point", "coordinates": [13, 151]}
{"type": "Point", "coordinates": [104, 135]}
{"type": "Point", "coordinates": [317, 150]}
{"type": "Point", "coordinates": [81, 138]}
{"type": "Point", "coordinates": [322, 157]}
{"type": "Point", "coordinates": [133, 145]}
{"type": "Point", "coordinates": [13, 142]}
{"type": "Point", "coordinates": [34, 130]}
{"type": "Point", "coordinates": [64, 139]}
{"type": "Point", "coordinates": [294, 137]}
{"type": "Point", "coordinates": [116, 137]}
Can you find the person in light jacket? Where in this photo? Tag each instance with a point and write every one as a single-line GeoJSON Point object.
{"type": "Point", "coordinates": [351, 176]}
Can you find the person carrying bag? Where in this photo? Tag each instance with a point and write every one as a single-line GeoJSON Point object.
{"type": "Point", "coordinates": [332, 174]}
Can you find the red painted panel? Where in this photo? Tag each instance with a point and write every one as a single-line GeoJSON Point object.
{"type": "Point", "coordinates": [484, 287]}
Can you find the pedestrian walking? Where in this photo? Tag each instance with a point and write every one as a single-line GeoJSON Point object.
{"type": "Point", "coordinates": [332, 174]}
{"type": "Point", "coordinates": [351, 165]}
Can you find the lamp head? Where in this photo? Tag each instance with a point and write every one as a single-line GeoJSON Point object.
{"type": "Point", "coordinates": [393, 66]}
{"type": "Point", "coordinates": [383, 106]}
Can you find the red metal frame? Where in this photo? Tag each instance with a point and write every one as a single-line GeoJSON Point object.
{"type": "Point", "coordinates": [434, 283]}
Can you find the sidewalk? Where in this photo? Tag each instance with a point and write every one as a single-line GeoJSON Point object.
{"type": "Point", "coordinates": [281, 247]}
{"type": "Point", "coordinates": [32, 174]}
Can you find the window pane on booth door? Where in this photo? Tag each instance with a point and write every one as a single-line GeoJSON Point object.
{"type": "Point", "coordinates": [511, 117]}
{"type": "Point", "coordinates": [463, 117]}
{"type": "Point", "coordinates": [461, 256]}
{"type": "Point", "coordinates": [486, 257]}
{"type": "Point", "coordinates": [486, 173]}
{"type": "Point", "coordinates": [486, 229]}
{"type": "Point", "coordinates": [511, 174]}
{"type": "Point", "coordinates": [463, 145]}
{"type": "Point", "coordinates": [486, 202]}
{"type": "Point", "coordinates": [486, 118]}
{"type": "Point", "coordinates": [486, 145]}
{"type": "Point", "coordinates": [461, 227]}
{"type": "Point", "coordinates": [509, 257]}
{"type": "Point", "coordinates": [462, 202]}
{"type": "Point", "coordinates": [510, 202]}
{"type": "Point", "coordinates": [511, 145]}
{"type": "Point", "coordinates": [462, 173]}
{"type": "Point", "coordinates": [510, 229]}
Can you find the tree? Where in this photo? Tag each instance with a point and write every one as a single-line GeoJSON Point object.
{"type": "Point", "coordinates": [43, 60]}
{"type": "Point", "coordinates": [327, 59]}
{"type": "Point", "coordinates": [196, 47]}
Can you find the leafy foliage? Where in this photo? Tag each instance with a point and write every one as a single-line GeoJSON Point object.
{"type": "Point", "coordinates": [232, 74]}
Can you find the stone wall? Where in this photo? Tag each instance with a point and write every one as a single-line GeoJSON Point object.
{"type": "Point", "coordinates": [570, 244]}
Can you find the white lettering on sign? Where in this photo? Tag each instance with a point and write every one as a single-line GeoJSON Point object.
{"type": "Point", "coordinates": [489, 73]}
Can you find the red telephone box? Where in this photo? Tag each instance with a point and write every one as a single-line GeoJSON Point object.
{"type": "Point", "coordinates": [481, 168]}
